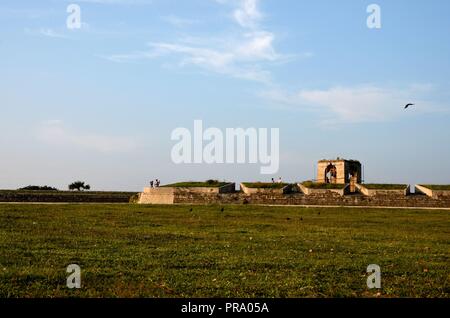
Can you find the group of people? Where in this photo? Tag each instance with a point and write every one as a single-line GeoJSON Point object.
{"type": "Point", "coordinates": [279, 180]}
{"type": "Point", "coordinates": [155, 184]}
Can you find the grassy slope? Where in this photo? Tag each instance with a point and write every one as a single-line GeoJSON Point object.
{"type": "Point", "coordinates": [438, 187]}
{"type": "Point", "coordinates": [245, 251]}
{"type": "Point", "coordinates": [376, 186]}
{"type": "Point", "coordinates": [192, 184]}
{"type": "Point", "coordinates": [323, 186]}
{"type": "Point", "coordinates": [264, 185]}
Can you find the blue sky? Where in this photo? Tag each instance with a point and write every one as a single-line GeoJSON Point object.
{"type": "Point", "coordinates": [99, 103]}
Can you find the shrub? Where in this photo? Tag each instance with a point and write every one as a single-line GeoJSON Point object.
{"type": "Point", "coordinates": [38, 188]}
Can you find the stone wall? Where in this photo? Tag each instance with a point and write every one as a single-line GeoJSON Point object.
{"type": "Point", "coordinates": [311, 191]}
{"type": "Point", "coordinates": [167, 195]}
{"type": "Point", "coordinates": [267, 191]}
{"type": "Point", "coordinates": [65, 196]}
{"type": "Point", "coordinates": [435, 194]}
{"type": "Point", "coordinates": [344, 169]}
{"type": "Point", "coordinates": [383, 192]}
{"type": "Point", "coordinates": [157, 196]}
{"type": "Point", "coordinates": [340, 167]}
{"type": "Point", "coordinates": [329, 199]}
{"type": "Point", "coordinates": [229, 188]}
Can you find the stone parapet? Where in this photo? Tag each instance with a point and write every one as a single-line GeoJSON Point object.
{"type": "Point", "coordinates": [383, 192]}
{"type": "Point", "coordinates": [435, 194]}
{"type": "Point", "coordinates": [312, 191]}
{"type": "Point", "coordinates": [409, 201]}
{"type": "Point", "coordinates": [248, 190]}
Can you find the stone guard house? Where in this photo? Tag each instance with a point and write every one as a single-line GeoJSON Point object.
{"type": "Point", "coordinates": [339, 171]}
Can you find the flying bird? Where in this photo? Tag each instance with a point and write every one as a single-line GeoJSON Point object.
{"type": "Point", "coordinates": [408, 105]}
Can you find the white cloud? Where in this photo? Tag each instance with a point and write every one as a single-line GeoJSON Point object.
{"type": "Point", "coordinates": [27, 13]}
{"type": "Point", "coordinates": [51, 33]}
{"type": "Point", "coordinates": [121, 2]}
{"type": "Point", "coordinates": [47, 32]}
{"type": "Point", "coordinates": [179, 22]}
{"type": "Point", "coordinates": [365, 103]}
{"type": "Point", "coordinates": [218, 61]}
{"type": "Point", "coordinates": [243, 55]}
{"type": "Point", "coordinates": [55, 133]}
{"type": "Point", "coordinates": [258, 46]}
{"type": "Point", "coordinates": [130, 57]}
{"type": "Point", "coordinates": [247, 14]}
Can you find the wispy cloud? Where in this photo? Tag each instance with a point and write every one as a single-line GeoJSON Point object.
{"type": "Point", "coordinates": [51, 33]}
{"type": "Point", "coordinates": [132, 57]}
{"type": "Point", "coordinates": [121, 2]}
{"type": "Point", "coordinates": [47, 32]}
{"type": "Point", "coordinates": [27, 13]}
{"type": "Point", "coordinates": [245, 54]}
{"type": "Point", "coordinates": [179, 22]}
{"type": "Point", "coordinates": [55, 133]}
{"type": "Point", "coordinates": [239, 62]}
{"type": "Point", "coordinates": [364, 103]}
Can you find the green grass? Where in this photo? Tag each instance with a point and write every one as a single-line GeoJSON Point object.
{"type": "Point", "coordinates": [317, 185]}
{"type": "Point", "coordinates": [244, 251]}
{"type": "Point", "coordinates": [442, 187]}
{"type": "Point", "coordinates": [192, 184]}
{"type": "Point", "coordinates": [379, 186]}
{"type": "Point", "coordinates": [264, 185]}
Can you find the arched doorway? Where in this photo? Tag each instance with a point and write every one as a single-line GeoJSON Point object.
{"type": "Point", "coordinates": [331, 174]}
{"type": "Point", "coordinates": [353, 180]}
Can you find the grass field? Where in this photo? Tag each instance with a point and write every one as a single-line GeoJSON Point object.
{"type": "Point", "coordinates": [244, 251]}
{"type": "Point", "coordinates": [382, 186]}
{"type": "Point", "coordinates": [442, 187]}
{"type": "Point", "coordinates": [194, 184]}
{"type": "Point", "coordinates": [324, 186]}
{"type": "Point", "coordinates": [265, 185]}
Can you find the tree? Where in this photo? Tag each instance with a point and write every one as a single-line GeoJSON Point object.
{"type": "Point", "coordinates": [79, 186]}
{"type": "Point", "coordinates": [38, 188]}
